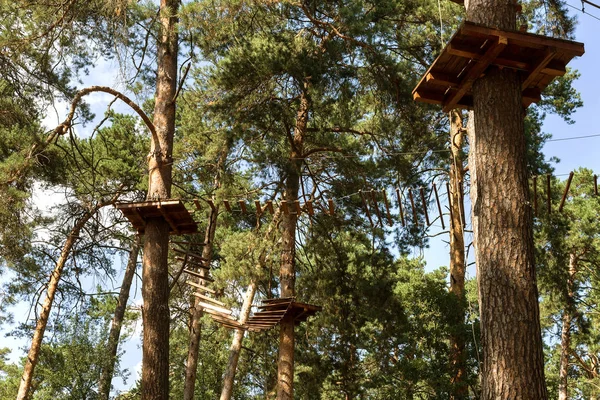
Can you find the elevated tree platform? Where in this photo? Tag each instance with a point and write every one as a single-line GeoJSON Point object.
{"type": "Point", "coordinates": [475, 48]}
{"type": "Point", "coordinates": [172, 211]}
{"type": "Point", "coordinates": [273, 311]}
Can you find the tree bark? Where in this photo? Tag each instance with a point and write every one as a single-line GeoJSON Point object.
{"type": "Point", "coordinates": [287, 269]}
{"type": "Point", "coordinates": [236, 345]}
{"type": "Point", "coordinates": [106, 376]}
{"type": "Point", "coordinates": [40, 328]}
{"type": "Point", "coordinates": [513, 365]}
{"type": "Point", "coordinates": [457, 256]}
{"type": "Point", "coordinates": [565, 335]}
{"type": "Point", "coordinates": [155, 284]}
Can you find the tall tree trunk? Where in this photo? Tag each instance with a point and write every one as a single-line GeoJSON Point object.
{"type": "Point", "coordinates": [513, 366]}
{"type": "Point", "coordinates": [40, 328]}
{"type": "Point", "coordinates": [236, 345]}
{"type": "Point", "coordinates": [191, 367]}
{"type": "Point", "coordinates": [287, 269]}
{"type": "Point", "coordinates": [155, 277]}
{"type": "Point", "coordinates": [457, 256]}
{"type": "Point", "coordinates": [115, 328]}
{"type": "Point", "coordinates": [565, 335]}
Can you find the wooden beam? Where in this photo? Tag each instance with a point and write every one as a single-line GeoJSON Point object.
{"type": "Point", "coordinates": [555, 68]}
{"type": "Point", "coordinates": [201, 287]}
{"type": "Point", "coordinates": [414, 210]}
{"type": "Point", "coordinates": [227, 205]}
{"type": "Point", "coordinates": [309, 207]}
{"type": "Point", "coordinates": [208, 306]}
{"type": "Point", "coordinates": [270, 207]}
{"type": "Point", "coordinates": [528, 40]}
{"type": "Point", "coordinates": [400, 207]}
{"type": "Point", "coordinates": [284, 207]}
{"type": "Point", "coordinates": [537, 69]}
{"type": "Point", "coordinates": [209, 299]}
{"type": "Point", "coordinates": [564, 197]}
{"type": "Point", "coordinates": [197, 275]}
{"type": "Point", "coordinates": [422, 193]}
{"type": "Point", "coordinates": [189, 253]}
{"type": "Point", "coordinates": [441, 79]}
{"type": "Point", "coordinates": [387, 208]}
{"type": "Point", "coordinates": [439, 205]}
{"type": "Point", "coordinates": [475, 72]}
{"type": "Point", "coordinates": [362, 196]}
{"type": "Point", "coordinates": [257, 205]}
{"type": "Point", "coordinates": [196, 265]}
{"type": "Point", "coordinates": [297, 207]}
{"type": "Point", "coordinates": [331, 207]}
{"type": "Point", "coordinates": [168, 219]}
{"type": "Point", "coordinates": [242, 204]}
{"type": "Point", "coordinates": [465, 52]}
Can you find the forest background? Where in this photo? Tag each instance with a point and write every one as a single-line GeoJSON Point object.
{"type": "Point", "coordinates": [97, 307]}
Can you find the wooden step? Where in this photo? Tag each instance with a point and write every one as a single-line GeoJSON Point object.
{"type": "Point", "coordinates": [219, 314]}
{"type": "Point", "coordinates": [201, 287]}
{"type": "Point", "coordinates": [208, 306]}
{"type": "Point", "coordinates": [198, 275]}
{"type": "Point", "coordinates": [191, 262]}
{"type": "Point", "coordinates": [209, 299]}
{"type": "Point", "coordinates": [190, 254]}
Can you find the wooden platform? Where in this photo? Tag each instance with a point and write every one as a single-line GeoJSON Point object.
{"type": "Point", "coordinates": [273, 311]}
{"type": "Point", "coordinates": [172, 211]}
{"type": "Point", "coordinates": [475, 48]}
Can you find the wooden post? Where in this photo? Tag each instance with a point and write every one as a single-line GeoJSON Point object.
{"type": "Point", "coordinates": [376, 205]}
{"type": "Point", "coordinates": [439, 205]}
{"type": "Point", "coordinates": [564, 197]}
{"type": "Point", "coordinates": [548, 194]}
{"type": "Point", "coordinates": [535, 197]}
{"type": "Point", "coordinates": [366, 208]}
{"type": "Point", "coordinates": [422, 193]}
{"type": "Point", "coordinates": [242, 204]}
{"type": "Point", "coordinates": [414, 210]}
{"type": "Point", "coordinates": [400, 207]}
{"type": "Point", "coordinates": [387, 208]}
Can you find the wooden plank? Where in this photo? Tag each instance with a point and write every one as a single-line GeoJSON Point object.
{"type": "Point", "coordinates": [441, 79]}
{"type": "Point", "coordinates": [197, 275]}
{"type": "Point", "coordinates": [195, 264]}
{"type": "Point", "coordinates": [596, 185]}
{"type": "Point", "coordinates": [422, 193]}
{"type": "Point", "coordinates": [201, 287]}
{"type": "Point", "coordinates": [533, 74]}
{"type": "Point", "coordinates": [387, 207]}
{"type": "Point", "coordinates": [209, 299]}
{"type": "Point", "coordinates": [564, 197]}
{"type": "Point", "coordinates": [272, 312]}
{"type": "Point", "coordinates": [554, 68]}
{"type": "Point", "coordinates": [362, 196]}
{"type": "Point", "coordinates": [270, 207]}
{"type": "Point", "coordinates": [439, 205]}
{"type": "Point", "coordinates": [284, 207]}
{"type": "Point", "coordinates": [257, 205]}
{"type": "Point", "coordinates": [548, 190]}
{"type": "Point", "coordinates": [309, 207]}
{"type": "Point", "coordinates": [414, 210]}
{"type": "Point", "coordinates": [297, 207]}
{"type": "Point", "coordinates": [189, 253]}
{"type": "Point", "coordinates": [523, 39]}
{"type": "Point", "coordinates": [400, 207]}
{"type": "Point", "coordinates": [242, 204]}
{"type": "Point", "coordinates": [376, 205]}
{"type": "Point", "coordinates": [208, 306]}
{"type": "Point", "coordinates": [475, 72]}
{"type": "Point", "coordinates": [331, 207]}
{"type": "Point", "coordinates": [227, 205]}
{"type": "Point", "coordinates": [278, 300]}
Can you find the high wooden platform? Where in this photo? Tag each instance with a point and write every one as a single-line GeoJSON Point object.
{"type": "Point", "coordinates": [475, 48]}
{"type": "Point", "coordinates": [172, 211]}
{"type": "Point", "coordinates": [273, 311]}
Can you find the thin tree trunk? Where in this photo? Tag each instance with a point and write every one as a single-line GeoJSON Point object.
{"type": "Point", "coordinates": [513, 366]}
{"type": "Point", "coordinates": [191, 368]}
{"type": "Point", "coordinates": [155, 277]}
{"type": "Point", "coordinates": [236, 345]}
{"type": "Point", "coordinates": [40, 328]}
{"type": "Point", "coordinates": [565, 336]}
{"type": "Point", "coordinates": [457, 256]}
{"type": "Point", "coordinates": [106, 376]}
{"type": "Point", "coordinates": [287, 270]}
